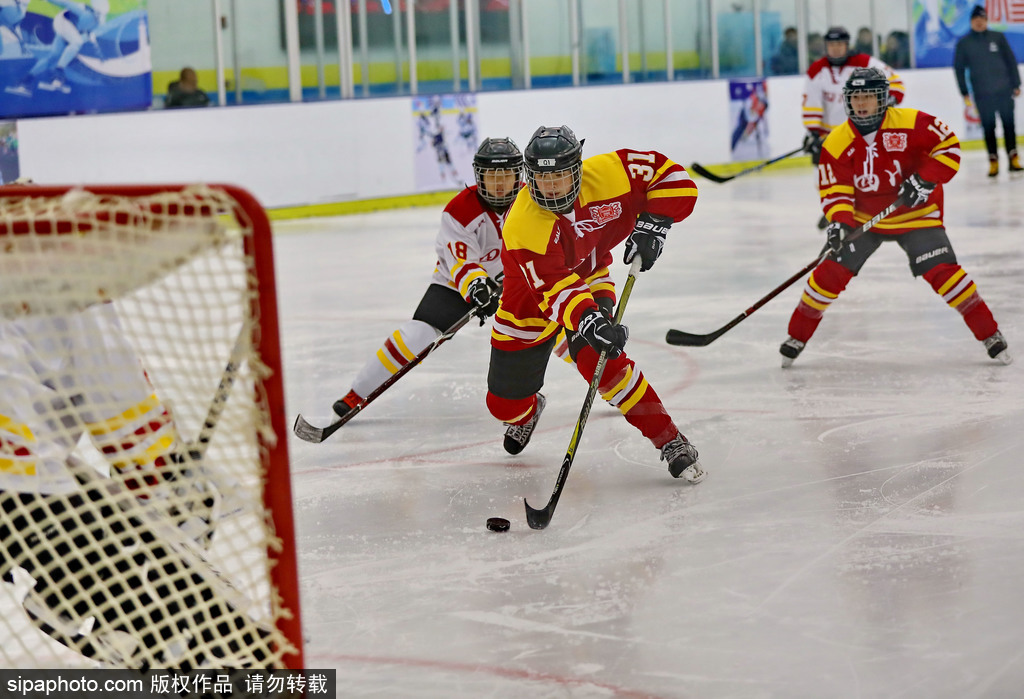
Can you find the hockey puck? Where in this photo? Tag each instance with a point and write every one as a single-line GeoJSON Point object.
{"type": "Point", "coordinates": [498, 524]}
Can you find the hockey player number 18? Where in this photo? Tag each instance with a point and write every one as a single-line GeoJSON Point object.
{"type": "Point", "coordinates": [458, 249]}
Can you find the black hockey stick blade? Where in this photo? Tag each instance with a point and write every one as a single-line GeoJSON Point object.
{"type": "Point", "coordinates": [311, 433]}
{"type": "Point", "coordinates": [707, 174]}
{"type": "Point", "coordinates": [540, 519]}
{"type": "Point", "coordinates": [678, 337]}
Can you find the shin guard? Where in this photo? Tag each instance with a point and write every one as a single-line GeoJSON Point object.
{"type": "Point", "coordinates": [623, 386]}
{"type": "Point", "coordinates": [823, 287]}
{"type": "Point", "coordinates": [958, 290]}
{"type": "Point", "coordinates": [411, 338]}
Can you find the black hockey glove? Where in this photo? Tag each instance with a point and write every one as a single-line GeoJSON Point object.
{"type": "Point", "coordinates": [601, 334]}
{"type": "Point", "coordinates": [812, 144]}
{"type": "Point", "coordinates": [647, 239]}
{"type": "Point", "coordinates": [837, 233]}
{"type": "Point", "coordinates": [914, 191]}
{"type": "Point", "coordinates": [484, 294]}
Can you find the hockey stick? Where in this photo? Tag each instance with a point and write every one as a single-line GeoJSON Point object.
{"type": "Point", "coordinates": [704, 172]}
{"type": "Point", "coordinates": [193, 472]}
{"type": "Point", "coordinates": [538, 519]}
{"type": "Point", "coordinates": [678, 337]}
{"type": "Point", "coordinates": [310, 433]}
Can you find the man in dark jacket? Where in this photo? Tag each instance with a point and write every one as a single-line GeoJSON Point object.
{"type": "Point", "coordinates": [994, 82]}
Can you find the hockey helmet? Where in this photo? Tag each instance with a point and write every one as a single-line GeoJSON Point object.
{"type": "Point", "coordinates": [498, 154]}
{"type": "Point", "coordinates": [870, 81]}
{"type": "Point", "coordinates": [837, 35]}
{"type": "Point", "coordinates": [554, 149]}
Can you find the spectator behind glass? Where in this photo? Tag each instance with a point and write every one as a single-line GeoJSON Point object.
{"type": "Point", "coordinates": [787, 60]}
{"type": "Point", "coordinates": [815, 47]}
{"type": "Point", "coordinates": [185, 92]}
{"type": "Point", "coordinates": [896, 51]}
{"type": "Point", "coordinates": [863, 44]}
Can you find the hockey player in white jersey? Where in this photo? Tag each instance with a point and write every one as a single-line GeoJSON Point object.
{"type": "Point", "coordinates": [468, 270]}
{"type": "Point", "coordinates": [823, 106]}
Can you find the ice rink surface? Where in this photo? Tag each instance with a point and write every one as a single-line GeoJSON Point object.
{"type": "Point", "coordinates": [860, 532]}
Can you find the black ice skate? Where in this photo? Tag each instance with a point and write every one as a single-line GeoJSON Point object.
{"type": "Point", "coordinates": [996, 346]}
{"type": "Point", "coordinates": [682, 459]}
{"type": "Point", "coordinates": [343, 406]}
{"type": "Point", "coordinates": [790, 350]}
{"type": "Point", "coordinates": [518, 436]}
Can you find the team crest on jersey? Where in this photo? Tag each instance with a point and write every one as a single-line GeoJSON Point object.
{"type": "Point", "coordinates": [894, 141]}
{"type": "Point", "coordinates": [603, 213]}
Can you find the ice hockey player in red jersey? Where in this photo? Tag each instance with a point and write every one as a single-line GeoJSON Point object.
{"type": "Point", "coordinates": [468, 271]}
{"type": "Point", "coordinates": [823, 108]}
{"type": "Point", "coordinates": [879, 155]}
{"type": "Point", "coordinates": [558, 239]}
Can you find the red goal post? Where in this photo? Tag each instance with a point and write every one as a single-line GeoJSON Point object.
{"type": "Point", "coordinates": [183, 277]}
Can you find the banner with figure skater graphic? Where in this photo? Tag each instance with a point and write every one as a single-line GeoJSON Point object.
{"type": "Point", "coordinates": [65, 56]}
{"type": "Point", "coordinates": [445, 132]}
{"type": "Point", "coordinates": [748, 109]}
{"type": "Point", "coordinates": [939, 24]}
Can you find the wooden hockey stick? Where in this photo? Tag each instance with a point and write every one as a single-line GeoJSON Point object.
{"type": "Point", "coordinates": [538, 519]}
{"type": "Point", "coordinates": [678, 337]}
{"type": "Point", "coordinates": [310, 433]}
{"type": "Point", "coordinates": [704, 172]}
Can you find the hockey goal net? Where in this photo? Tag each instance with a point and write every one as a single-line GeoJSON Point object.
{"type": "Point", "coordinates": [145, 502]}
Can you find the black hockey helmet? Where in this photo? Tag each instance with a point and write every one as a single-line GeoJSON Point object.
{"type": "Point", "coordinates": [867, 81]}
{"type": "Point", "coordinates": [554, 149]}
{"type": "Point", "coordinates": [837, 34]}
{"type": "Point", "coordinates": [498, 154]}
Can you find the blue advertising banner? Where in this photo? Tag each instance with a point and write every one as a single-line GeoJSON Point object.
{"type": "Point", "coordinates": [74, 56]}
{"type": "Point", "coordinates": [939, 24]}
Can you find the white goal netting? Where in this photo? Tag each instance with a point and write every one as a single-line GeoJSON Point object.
{"type": "Point", "coordinates": [145, 514]}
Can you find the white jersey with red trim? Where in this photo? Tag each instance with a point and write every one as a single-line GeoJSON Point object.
{"type": "Point", "coordinates": [824, 108]}
{"type": "Point", "coordinates": [82, 366]}
{"type": "Point", "coordinates": [469, 242]}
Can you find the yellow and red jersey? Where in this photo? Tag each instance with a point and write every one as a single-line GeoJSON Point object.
{"type": "Point", "coordinates": [858, 176]}
{"type": "Point", "coordinates": [556, 264]}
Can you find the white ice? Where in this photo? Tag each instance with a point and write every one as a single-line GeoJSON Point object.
{"type": "Point", "coordinates": [860, 532]}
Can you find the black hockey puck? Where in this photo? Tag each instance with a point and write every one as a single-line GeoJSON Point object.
{"type": "Point", "coordinates": [498, 524]}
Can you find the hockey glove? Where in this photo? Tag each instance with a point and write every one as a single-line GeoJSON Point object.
{"type": "Point", "coordinates": [812, 144]}
{"type": "Point", "coordinates": [484, 294]}
{"type": "Point", "coordinates": [601, 334]}
{"type": "Point", "coordinates": [914, 191]}
{"type": "Point", "coordinates": [647, 239]}
{"type": "Point", "coordinates": [837, 233]}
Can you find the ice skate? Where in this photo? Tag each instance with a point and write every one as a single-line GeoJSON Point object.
{"type": "Point", "coordinates": [790, 350]}
{"type": "Point", "coordinates": [682, 459]}
{"type": "Point", "coordinates": [518, 436]}
{"type": "Point", "coordinates": [997, 347]}
{"type": "Point", "coordinates": [343, 406]}
{"type": "Point", "coordinates": [993, 167]}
